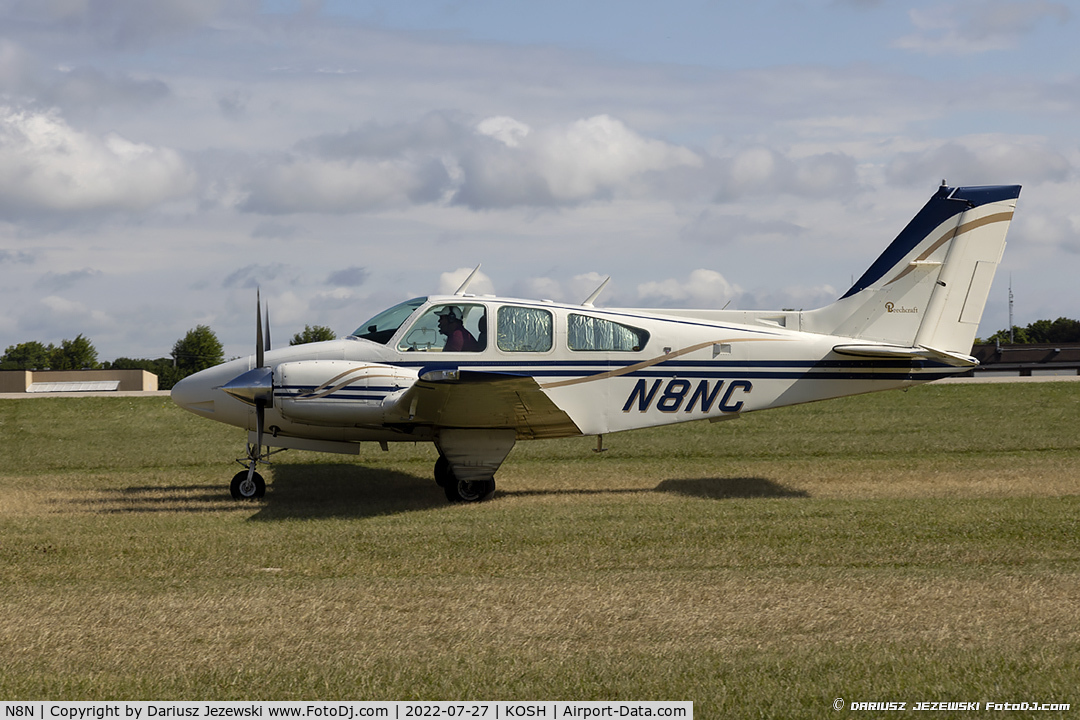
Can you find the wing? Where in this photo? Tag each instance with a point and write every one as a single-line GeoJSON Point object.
{"type": "Point", "coordinates": [472, 399]}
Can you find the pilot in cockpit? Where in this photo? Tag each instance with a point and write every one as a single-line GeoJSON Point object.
{"type": "Point", "coordinates": [458, 339]}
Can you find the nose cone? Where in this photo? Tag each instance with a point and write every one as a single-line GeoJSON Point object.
{"type": "Point", "coordinates": [195, 393]}
{"type": "Point", "coordinates": [203, 395]}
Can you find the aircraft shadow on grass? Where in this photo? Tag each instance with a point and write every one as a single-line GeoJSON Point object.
{"type": "Point", "coordinates": [317, 490]}
{"type": "Point", "coordinates": [152, 499]}
{"type": "Point", "coordinates": [709, 488]}
{"type": "Point", "coordinates": [718, 488]}
{"type": "Point", "coordinates": [329, 490]}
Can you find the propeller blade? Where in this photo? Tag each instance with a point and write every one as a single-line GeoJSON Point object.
{"type": "Point", "coordinates": [268, 347]}
{"type": "Point", "coordinates": [258, 330]}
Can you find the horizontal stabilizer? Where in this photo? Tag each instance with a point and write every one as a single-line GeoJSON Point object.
{"type": "Point", "coordinates": [906, 353]}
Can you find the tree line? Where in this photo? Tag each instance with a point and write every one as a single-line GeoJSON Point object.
{"type": "Point", "coordinates": [1062, 330]}
{"type": "Point", "coordinates": [197, 350]}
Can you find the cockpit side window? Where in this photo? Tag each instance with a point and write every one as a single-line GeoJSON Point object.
{"type": "Point", "coordinates": [592, 333]}
{"type": "Point", "coordinates": [452, 327]}
{"type": "Point", "coordinates": [383, 326]}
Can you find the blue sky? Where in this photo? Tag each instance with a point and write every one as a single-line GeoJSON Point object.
{"type": "Point", "coordinates": [159, 161]}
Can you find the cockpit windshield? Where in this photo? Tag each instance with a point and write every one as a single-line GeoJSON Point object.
{"type": "Point", "coordinates": [383, 326]}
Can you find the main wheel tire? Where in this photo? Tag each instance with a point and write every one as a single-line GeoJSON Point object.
{"type": "Point", "coordinates": [444, 475]}
{"type": "Point", "coordinates": [462, 491]}
{"type": "Point", "coordinates": [242, 489]}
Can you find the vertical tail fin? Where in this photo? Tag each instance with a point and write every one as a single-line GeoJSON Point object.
{"type": "Point", "coordinates": [928, 289]}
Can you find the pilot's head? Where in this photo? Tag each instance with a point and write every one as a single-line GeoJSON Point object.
{"type": "Point", "coordinates": [449, 316]}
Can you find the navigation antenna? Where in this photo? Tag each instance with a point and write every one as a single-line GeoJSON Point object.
{"type": "Point", "coordinates": [465, 285]}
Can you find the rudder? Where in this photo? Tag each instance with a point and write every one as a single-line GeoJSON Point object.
{"type": "Point", "coordinates": [928, 289]}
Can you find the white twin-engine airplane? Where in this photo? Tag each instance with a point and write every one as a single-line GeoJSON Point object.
{"type": "Point", "coordinates": [475, 374]}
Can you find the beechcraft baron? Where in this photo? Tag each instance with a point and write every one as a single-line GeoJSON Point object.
{"type": "Point", "coordinates": [475, 374]}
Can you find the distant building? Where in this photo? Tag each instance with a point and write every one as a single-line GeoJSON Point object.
{"type": "Point", "coordinates": [42, 381]}
{"type": "Point", "coordinates": [1028, 359]}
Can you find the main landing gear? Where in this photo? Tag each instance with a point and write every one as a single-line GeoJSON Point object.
{"type": "Point", "coordinates": [461, 490]}
{"type": "Point", "coordinates": [468, 460]}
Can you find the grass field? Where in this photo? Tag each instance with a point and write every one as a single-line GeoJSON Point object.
{"type": "Point", "coordinates": [917, 546]}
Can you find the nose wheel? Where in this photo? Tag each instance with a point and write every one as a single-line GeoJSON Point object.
{"type": "Point", "coordinates": [247, 485]}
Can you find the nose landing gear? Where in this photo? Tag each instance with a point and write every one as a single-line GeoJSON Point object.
{"type": "Point", "coordinates": [249, 484]}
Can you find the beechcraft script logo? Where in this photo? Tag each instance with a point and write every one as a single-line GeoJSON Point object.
{"type": "Point", "coordinates": [894, 308]}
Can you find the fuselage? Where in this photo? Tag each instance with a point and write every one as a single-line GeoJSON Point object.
{"type": "Point", "coordinates": [603, 370]}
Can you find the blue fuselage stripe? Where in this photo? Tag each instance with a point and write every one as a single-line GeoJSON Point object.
{"type": "Point", "coordinates": [884, 370]}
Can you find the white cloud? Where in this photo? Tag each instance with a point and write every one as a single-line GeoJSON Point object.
{"type": "Point", "coordinates": [65, 318]}
{"type": "Point", "coordinates": [795, 297]}
{"type": "Point", "coordinates": [982, 160]}
{"type": "Point", "coordinates": [506, 130]}
{"type": "Point", "coordinates": [703, 288]}
{"type": "Point", "coordinates": [598, 153]}
{"type": "Point", "coordinates": [542, 288]}
{"type": "Point", "coordinates": [504, 163]}
{"type": "Point", "coordinates": [759, 170]}
{"type": "Point", "coordinates": [343, 186]}
{"type": "Point", "coordinates": [14, 66]}
{"type": "Point", "coordinates": [715, 228]}
{"type": "Point", "coordinates": [45, 165]}
{"type": "Point", "coordinates": [587, 160]}
{"type": "Point", "coordinates": [481, 284]}
{"type": "Point", "coordinates": [977, 26]}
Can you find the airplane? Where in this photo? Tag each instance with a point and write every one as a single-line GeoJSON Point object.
{"type": "Point", "coordinates": [474, 374]}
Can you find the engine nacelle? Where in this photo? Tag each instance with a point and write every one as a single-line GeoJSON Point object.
{"type": "Point", "coordinates": [338, 392]}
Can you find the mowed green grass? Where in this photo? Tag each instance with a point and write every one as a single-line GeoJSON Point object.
{"type": "Point", "coordinates": [907, 546]}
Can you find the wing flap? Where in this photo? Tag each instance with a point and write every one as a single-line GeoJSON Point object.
{"type": "Point", "coordinates": [473, 399]}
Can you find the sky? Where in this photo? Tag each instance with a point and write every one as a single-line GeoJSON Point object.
{"type": "Point", "coordinates": [160, 161]}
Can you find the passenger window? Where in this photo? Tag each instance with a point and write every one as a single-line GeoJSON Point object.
{"type": "Point", "coordinates": [592, 333]}
{"type": "Point", "coordinates": [448, 328]}
{"type": "Point", "coordinates": [524, 329]}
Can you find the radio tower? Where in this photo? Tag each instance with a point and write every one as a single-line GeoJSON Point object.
{"type": "Point", "coordinates": [1010, 310]}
